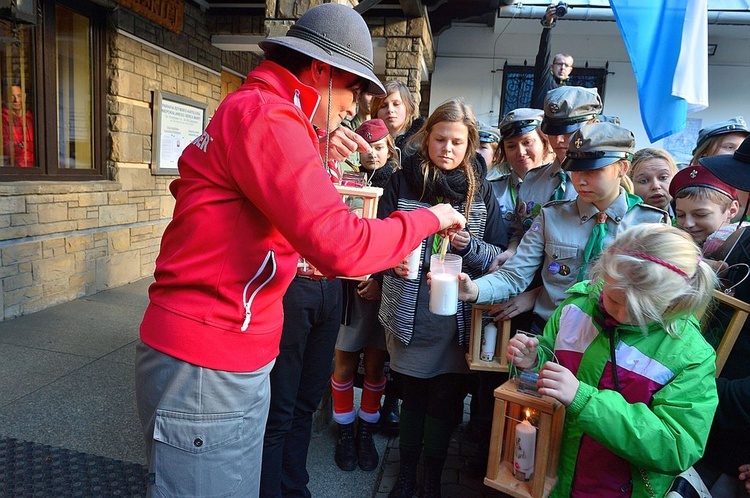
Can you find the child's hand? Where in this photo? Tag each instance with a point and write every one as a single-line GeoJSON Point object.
{"type": "Point", "coordinates": [369, 289]}
{"type": "Point", "coordinates": [467, 290]}
{"type": "Point", "coordinates": [515, 305]}
{"type": "Point", "coordinates": [745, 476]}
{"type": "Point", "coordinates": [522, 350]}
{"type": "Point", "coordinates": [557, 381]}
{"type": "Point", "coordinates": [402, 270]}
{"type": "Point", "coordinates": [501, 258]}
{"type": "Point", "coordinates": [460, 240]}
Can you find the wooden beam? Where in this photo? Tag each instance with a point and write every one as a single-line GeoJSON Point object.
{"type": "Point", "coordinates": [366, 5]}
{"type": "Point", "coordinates": [411, 8]}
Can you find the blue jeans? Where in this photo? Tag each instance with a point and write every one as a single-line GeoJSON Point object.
{"type": "Point", "coordinates": [203, 427]}
{"type": "Point", "coordinates": [312, 315]}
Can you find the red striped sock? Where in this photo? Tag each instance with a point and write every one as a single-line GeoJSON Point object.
{"type": "Point", "coordinates": [371, 394]}
{"type": "Point", "coordinates": [343, 396]}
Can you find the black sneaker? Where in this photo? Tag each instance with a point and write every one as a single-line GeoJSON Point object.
{"type": "Point", "coordinates": [346, 449]}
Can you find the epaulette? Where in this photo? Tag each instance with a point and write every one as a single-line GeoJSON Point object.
{"type": "Point", "coordinates": [500, 178]}
{"type": "Point", "coordinates": [560, 201]}
{"type": "Point", "coordinates": [665, 214]}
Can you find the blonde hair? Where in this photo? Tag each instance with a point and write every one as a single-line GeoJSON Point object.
{"type": "Point", "coordinates": [456, 111]}
{"type": "Point", "coordinates": [660, 270]}
{"type": "Point", "coordinates": [406, 98]}
{"type": "Point", "coordinates": [647, 153]}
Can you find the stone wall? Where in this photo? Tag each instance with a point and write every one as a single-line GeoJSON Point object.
{"type": "Point", "coordinates": [408, 42]}
{"type": "Point", "coordinates": [63, 240]}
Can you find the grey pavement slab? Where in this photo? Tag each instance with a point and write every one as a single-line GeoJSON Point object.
{"type": "Point", "coordinates": [68, 382]}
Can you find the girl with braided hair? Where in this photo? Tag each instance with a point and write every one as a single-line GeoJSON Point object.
{"type": "Point", "coordinates": [427, 350]}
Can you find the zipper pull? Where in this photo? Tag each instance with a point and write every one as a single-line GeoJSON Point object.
{"type": "Point", "coordinates": [248, 314]}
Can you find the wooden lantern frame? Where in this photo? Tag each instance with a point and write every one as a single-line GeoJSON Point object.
{"type": "Point", "coordinates": [740, 313]}
{"type": "Point", "coordinates": [509, 406]}
{"type": "Point", "coordinates": [370, 197]}
{"type": "Point", "coordinates": [473, 357]}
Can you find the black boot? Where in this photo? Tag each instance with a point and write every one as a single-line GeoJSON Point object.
{"type": "Point", "coordinates": [433, 472]}
{"type": "Point", "coordinates": [406, 482]}
{"type": "Point", "coordinates": [366, 451]}
{"type": "Point", "coordinates": [346, 449]}
{"type": "Point", "coordinates": [389, 416]}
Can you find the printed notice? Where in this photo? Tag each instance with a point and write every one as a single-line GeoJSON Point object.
{"type": "Point", "coordinates": [179, 124]}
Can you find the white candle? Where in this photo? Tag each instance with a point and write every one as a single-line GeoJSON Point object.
{"type": "Point", "coordinates": [489, 340]}
{"type": "Point", "coordinates": [412, 261]}
{"type": "Point", "coordinates": [444, 294]}
{"type": "Point", "coordinates": [523, 457]}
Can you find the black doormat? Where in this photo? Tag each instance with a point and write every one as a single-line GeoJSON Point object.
{"type": "Point", "coordinates": [31, 469]}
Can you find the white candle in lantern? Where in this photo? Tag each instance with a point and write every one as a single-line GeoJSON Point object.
{"type": "Point", "coordinates": [525, 448]}
{"type": "Point", "coordinates": [489, 341]}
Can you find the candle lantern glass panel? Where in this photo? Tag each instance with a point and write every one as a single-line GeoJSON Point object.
{"type": "Point", "coordinates": [513, 421]}
{"type": "Point", "coordinates": [479, 320]}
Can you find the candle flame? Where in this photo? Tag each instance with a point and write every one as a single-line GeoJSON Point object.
{"type": "Point", "coordinates": [528, 414]}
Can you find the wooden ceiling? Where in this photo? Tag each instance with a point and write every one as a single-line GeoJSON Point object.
{"type": "Point", "coordinates": [441, 13]}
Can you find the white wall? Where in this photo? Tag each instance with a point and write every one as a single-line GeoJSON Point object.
{"type": "Point", "coordinates": [467, 55]}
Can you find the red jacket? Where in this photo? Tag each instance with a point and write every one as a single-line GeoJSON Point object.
{"type": "Point", "coordinates": [252, 193]}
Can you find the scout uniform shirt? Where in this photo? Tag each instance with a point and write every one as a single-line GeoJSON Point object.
{"type": "Point", "coordinates": [555, 244]}
{"type": "Point", "coordinates": [505, 188]}
{"type": "Point", "coordinates": [538, 188]}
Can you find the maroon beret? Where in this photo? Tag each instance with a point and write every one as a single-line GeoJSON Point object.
{"type": "Point", "coordinates": [373, 130]}
{"type": "Point", "coordinates": [699, 176]}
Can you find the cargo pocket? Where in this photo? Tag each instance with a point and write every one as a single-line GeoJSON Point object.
{"type": "Point", "coordinates": [562, 263]}
{"type": "Point", "coordinates": [186, 459]}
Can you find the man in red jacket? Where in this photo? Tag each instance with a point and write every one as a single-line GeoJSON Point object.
{"type": "Point", "coordinates": [253, 195]}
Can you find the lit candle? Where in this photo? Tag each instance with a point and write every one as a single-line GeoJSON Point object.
{"type": "Point", "coordinates": [444, 294]}
{"type": "Point", "coordinates": [525, 448]}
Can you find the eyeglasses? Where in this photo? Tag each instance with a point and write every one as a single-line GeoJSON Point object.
{"type": "Point", "coordinates": [563, 64]}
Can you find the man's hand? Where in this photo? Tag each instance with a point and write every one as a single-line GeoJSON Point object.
{"type": "Point", "coordinates": [451, 220]}
{"type": "Point", "coordinates": [342, 143]}
{"type": "Point", "coordinates": [550, 16]}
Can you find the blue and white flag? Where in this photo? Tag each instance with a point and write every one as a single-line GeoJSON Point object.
{"type": "Point", "coordinates": [667, 41]}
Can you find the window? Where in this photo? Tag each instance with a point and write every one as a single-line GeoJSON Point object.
{"type": "Point", "coordinates": [519, 80]}
{"type": "Point", "coordinates": [53, 94]}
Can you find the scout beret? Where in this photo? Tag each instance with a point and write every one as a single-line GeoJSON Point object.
{"type": "Point", "coordinates": [372, 130]}
{"type": "Point", "coordinates": [566, 108]}
{"type": "Point", "coordinates": [597, 145]}
{"type": "Point", "coordinates": [734, 169]}
{"type": "Point", "coordinates": [520, 121]}
{"type": "Point", "coordinates": [735, 125]}
{"type": "Point", "coordinates": [699, 176]}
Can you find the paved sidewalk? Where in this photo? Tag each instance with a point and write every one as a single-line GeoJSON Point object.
{"type": "Point", "coordinates": [68, 382]}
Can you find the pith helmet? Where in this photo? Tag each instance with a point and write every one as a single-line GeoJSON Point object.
{"type": "Point", "coordinates": [334, 34]}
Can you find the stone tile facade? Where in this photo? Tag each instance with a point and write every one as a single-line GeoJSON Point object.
{"type": "Point", "coordinates": [63, 240]}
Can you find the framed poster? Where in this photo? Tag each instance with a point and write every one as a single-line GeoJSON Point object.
{"type": "Point", "coordinates": [177, 122]}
